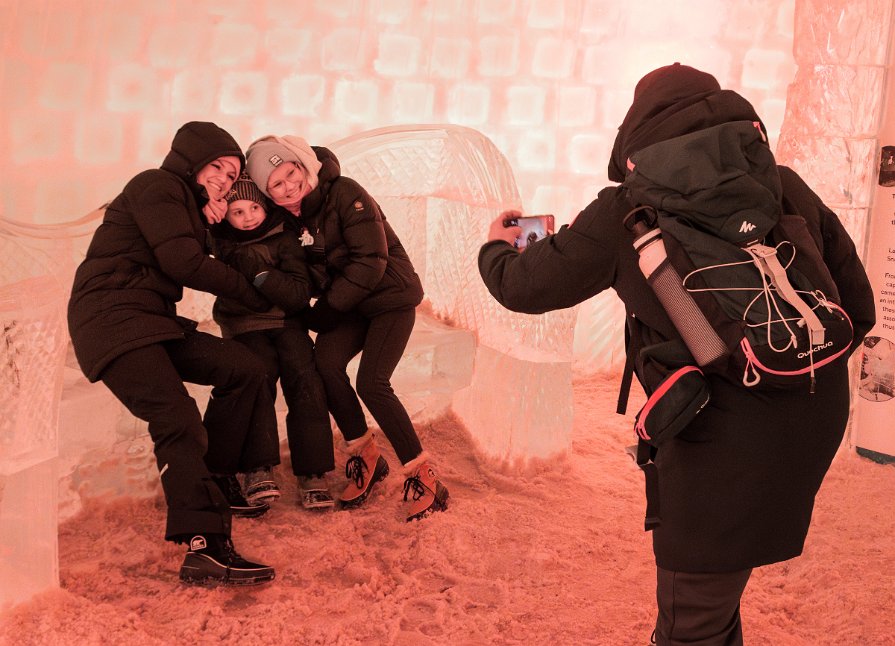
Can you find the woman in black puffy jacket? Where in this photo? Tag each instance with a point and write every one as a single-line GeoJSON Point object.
{"type": "Point", "coordinates": [737, 485]}
{"type": "Point", "coordinates": [367, 294]}
{"type": "Point", "coordinates": [125, 330]}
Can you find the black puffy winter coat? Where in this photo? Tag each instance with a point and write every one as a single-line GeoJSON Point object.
{"type": "Point", "coordinates": [357, 259]}
{"type": "Point", "coordinates": [737, 486]}
{"type": "Point", "coordinates": [152, 243]}
{"type": "Point", "coordinates": [271, 248]}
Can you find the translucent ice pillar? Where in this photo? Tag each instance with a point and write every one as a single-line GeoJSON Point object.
{"type": "Point", "coordinates": [440, 187]}
{"type": "Point", "coordinates": [834, 111]}
{"type": "Point", "coordinates": [35, 276]}
{"type": "Point", "coordinates": [32, 350]}
{"type": "Point", "coordinates": [834, 105]}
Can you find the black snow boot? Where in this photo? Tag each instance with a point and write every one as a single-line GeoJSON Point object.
{"type": "Point", "coordinates": [239, 506]}
{"type": "Point", "coordinates": [212, 559]}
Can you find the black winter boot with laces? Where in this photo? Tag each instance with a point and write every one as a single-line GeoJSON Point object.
{"type": "Point", "coordinates": [239, 506]}
{"type": "Point", "coordinates": [213, 560]}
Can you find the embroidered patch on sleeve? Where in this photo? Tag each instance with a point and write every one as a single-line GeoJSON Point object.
{"type": "Point", "coordinates": [358, 206]}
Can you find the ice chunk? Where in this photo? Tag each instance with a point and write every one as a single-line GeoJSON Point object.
{"type": "Point", "coordinates": [516, 408]}
{"type": "Point", "coordinates": [32, 326]}
{"type": "Point", "coordinates": [28, 538]}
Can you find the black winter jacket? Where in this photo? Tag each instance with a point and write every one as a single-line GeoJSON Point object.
{"type": "Point", "coordinates": [273, 249]}
{"type": "Point", "coordinates": [737, 486]}
{"type": "Point", "coordinates": [152, 243]}
{"type": "Point", "coordinates": [357, 259]}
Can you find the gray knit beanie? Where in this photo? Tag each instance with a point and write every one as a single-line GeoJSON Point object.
{"type": "Point", "coordinates": [268, 152]}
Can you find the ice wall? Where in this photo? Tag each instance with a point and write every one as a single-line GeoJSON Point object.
{"type": "Point", "coordinates": [835, 105]}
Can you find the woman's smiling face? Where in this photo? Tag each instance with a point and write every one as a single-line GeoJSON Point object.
{"type": "Point", "coordinates": [288, 184]}
{"type": "Point", "coordinates": [218, 176]}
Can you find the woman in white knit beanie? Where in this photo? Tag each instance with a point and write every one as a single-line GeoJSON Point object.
{"type": "Point", "coordinates": [367, 292]}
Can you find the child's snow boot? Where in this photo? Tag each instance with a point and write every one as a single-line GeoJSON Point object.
{"type": "Point", "coordinates": [429, 494]}
{"type": "Point", "coordinates": [364, 468]}
{"type": "Point", "coordinates": [260, 486]}
{"type": "Point", "coordinates": [239, 506]}
{"type": "Point", "coordinates": [212, 559]}
{"type": "Point", "coordinates": [314, 492]}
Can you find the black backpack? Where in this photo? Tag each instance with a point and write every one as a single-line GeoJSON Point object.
{"type": "Point", "coordinates": [748, 292]}
{"type": "Point", "coordinates": [765, 314]}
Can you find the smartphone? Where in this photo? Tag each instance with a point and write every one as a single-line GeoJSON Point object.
{"type": "Point", "coordinates": [534, 227]}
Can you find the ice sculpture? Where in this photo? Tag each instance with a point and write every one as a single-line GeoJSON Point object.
{"type": "Point", "coordinates": [441, 186]}
{"type": "Point", "coordinates": [32, 350]}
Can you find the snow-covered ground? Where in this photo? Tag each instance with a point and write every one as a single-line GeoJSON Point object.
{"type": "Point", "coordinates": [547, 553]}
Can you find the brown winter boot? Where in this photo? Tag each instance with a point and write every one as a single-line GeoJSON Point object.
{"type": "Point", "coordinates": [364, 468]}
{"type": "Point", "coordinates": [429, 494]}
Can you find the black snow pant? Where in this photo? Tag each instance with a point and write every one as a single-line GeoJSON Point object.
{"type": "Point", "coordinates": [288, 355]}
{"type": "Point", "coordinates": [381, 340]}
{"type": "Point", "coordinates": [149, 381]}
{"type": "Point", "coordinates": [700, 609]}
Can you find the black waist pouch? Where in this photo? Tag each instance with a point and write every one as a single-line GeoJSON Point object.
{"type": "Point", "coordinates": [679, 393]}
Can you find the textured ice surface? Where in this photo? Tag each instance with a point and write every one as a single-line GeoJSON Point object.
{"type": "Point", "coordinates": [32, 344]}
{"type": "Point", "coordinates": [33, 338]}
{"type": "Point", "coordinates": [28, 531]}
{"type": "Point", "coordinates": [35, 276]}
{"type": "Point", "coordinates": [515, 408]}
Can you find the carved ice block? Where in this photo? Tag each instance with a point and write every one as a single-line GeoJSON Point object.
{"type": "Point", "coordinates": [31, 357]}
{"type": "Point", "coordinates": [28, 535]}
{"type": "Point", "coordinates": [32, 348]}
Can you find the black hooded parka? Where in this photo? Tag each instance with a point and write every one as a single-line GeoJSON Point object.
{"type": "Point", "coordinates": [357, 258]}
{"type": "Point", "coordinates": [152, 243]}
{"type": "Point", "coordinates": [737, 486]}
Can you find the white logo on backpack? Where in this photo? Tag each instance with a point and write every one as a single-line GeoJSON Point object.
{"type": "Point", "coordinates": [746, 227]}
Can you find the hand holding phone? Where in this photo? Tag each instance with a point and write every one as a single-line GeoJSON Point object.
{"type": "Point", "coordinates": [533, 228]}
{"type": "Point", "coordinates": [500, 230]}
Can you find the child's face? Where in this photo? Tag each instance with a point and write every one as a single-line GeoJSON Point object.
{"type": "Point", "coordinates": [245, 215]}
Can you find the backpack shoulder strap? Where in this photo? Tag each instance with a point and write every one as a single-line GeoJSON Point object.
{"type": "Point", "coordinates": [624, 390]}
{"type": "Point", "coordinates": [642, 453]}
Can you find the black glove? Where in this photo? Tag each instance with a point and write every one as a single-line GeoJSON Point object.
{"type": "Point", "coordinates": [255, 300]}
{"type": "Point", "coordinates": [248, 264]}
{"type": "Point", "coordinates": [322, 317]}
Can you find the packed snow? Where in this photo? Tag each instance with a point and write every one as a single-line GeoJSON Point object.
{"type": "Point", "coordinates": [546, 552]}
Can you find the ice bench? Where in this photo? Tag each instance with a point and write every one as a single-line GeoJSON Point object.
{"type": "Point", "coordinates": [105, 452]}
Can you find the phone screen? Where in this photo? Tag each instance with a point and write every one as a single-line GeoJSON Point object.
{"type": "Point", "coordinates": [534, 227]}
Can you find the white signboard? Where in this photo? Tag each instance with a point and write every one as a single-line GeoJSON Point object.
{"type": "Point", "coordinates": [875, 406]}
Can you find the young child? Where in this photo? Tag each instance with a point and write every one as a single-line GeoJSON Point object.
{"type": "Point", "coordinates": [257, 244]}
